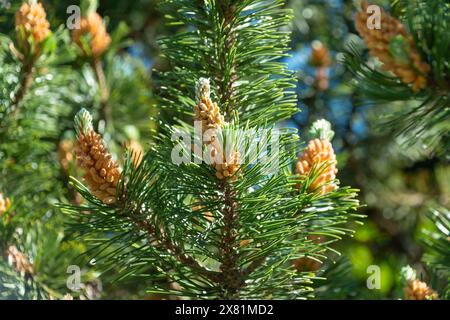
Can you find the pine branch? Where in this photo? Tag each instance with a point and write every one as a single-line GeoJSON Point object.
{"type": "Point", "coordinates": [413, 49]}
{"type": "Point", "coordinates": [26, 74]}
{"type": "Point", "coordinates": [165, 243]}
{"type": "Point", "coordinates": [105, 108]}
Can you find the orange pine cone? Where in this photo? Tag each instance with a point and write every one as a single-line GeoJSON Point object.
{"type": "Point", "coordinates": [320, 57]}
{"type": "Point", "coordinates": [19, 261]}
{"type": "Point", "coordinates": [414, 71]}
{"type": "Point", "coordinates": [31, 18]}
{"type": "Point", "coordinates": [93, 26]}
{"type": "Point", "coordinates": [101, 172]}
{"type": "Point", "coordinates": [319, 155]}
{"type": "Point", "coordinates": [418, 290]}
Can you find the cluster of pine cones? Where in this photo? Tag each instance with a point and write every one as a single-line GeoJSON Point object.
{"type": "Point", "coordinates": [410, 69]}
{"type": "Point", "coordinates": [419, 290]}
{"type": "Point", "coordinates": [93, 26]}
{"type": "Point", "coordinates": [31, 22]}
{"type": "Point", "coordinates": [208, 113]}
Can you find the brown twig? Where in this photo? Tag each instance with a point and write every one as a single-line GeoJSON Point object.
{"type": "Point", "coordinates": [104, 91]}
{"type": "Point", "coordinates": [26, 73]}
{"type": "Point", "coordinates": [164, 242]}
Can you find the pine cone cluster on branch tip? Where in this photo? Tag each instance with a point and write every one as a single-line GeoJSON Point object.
{"type": "Point", "coordinates": [408, 66]}
{"type": "Point", "coordinates": [229, 167]}
{"type": "Point", "coordinates": [102, 173]}
{"type": "Point", "coordinates": [5, 203]}
{"type": "Point", "coordinates": [319, 155]}
{"type": "Point", "coordinates": [19, 261]}
{"type": "Point", "coordinates": [92, 26]}
{"type": "Point", "coordinates": [419, 290]}
{"type": "Point", "coordinates": [31, 21]}
{"type": "Point", "coordinates": [208, 113]}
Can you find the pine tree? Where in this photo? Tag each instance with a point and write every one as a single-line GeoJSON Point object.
{"type": "Point", "coordinates": [44, 79]}
{"type": "Point", "coordinates": [412, 47]}
{"type": "Point", "coordinates": [409, 48]}
{"type": "Point", "coordinates": [231, 225]}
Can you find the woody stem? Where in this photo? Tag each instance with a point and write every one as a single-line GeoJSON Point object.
{"type": "Point", "coordinates": [105, 108]}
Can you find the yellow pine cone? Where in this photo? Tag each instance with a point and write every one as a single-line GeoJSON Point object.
{"type": "Point", "coordinates": [319, 155]}
{"type": "Point", "coordinates": [19, 261]}
{"type": "Point", "coordinates": [5, 203]}
{"type": "Point", "coordinates": [208, 112]}
{"type": "Point", "coordinates": [418, 290]}
{"type": "Point", "coordinates": [229, 167]}
{"type": "Point", "coordinates": [32, 19]}
{"type": "Point", "coordinates": [93, 26]}
{"type": "Point", "coordinates": [378, 41]}
{"type": "Point", "coordinates": [101, 172]}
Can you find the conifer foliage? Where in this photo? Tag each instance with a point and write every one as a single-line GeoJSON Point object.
{"type": "Point", "coordinates": [232, 226]}
{"type": "Point", "coordinates": [412, 45]}
{"type": "Point", "coordinates": [44, 76]}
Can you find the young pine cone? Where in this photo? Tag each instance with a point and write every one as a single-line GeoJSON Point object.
{"type": "Point", "coordinates": [319, 155]}
{"type": "Point", "coordinates": [229, 167]}
{"type": "Point", "coordinates": [19, 261]}
{"type": "Point", "coordinates": [93, 27]}
{"type": "Point", "coordinates": [418, 290]}
{"type": "Point", "coordinates": [101, 172]}
{"type": "Point", "coordinates": [5, 203]}
{"type": "Point", "coordinates": [31, 21]}
{"type": "Point", "coordinates": [208, 113]}
{"type": "Point", "coordinates": [320, 57]}
{"type": "Point", "coordinates": [206, 110]}
{"type": "Point", "coordinates": [406, 65]}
